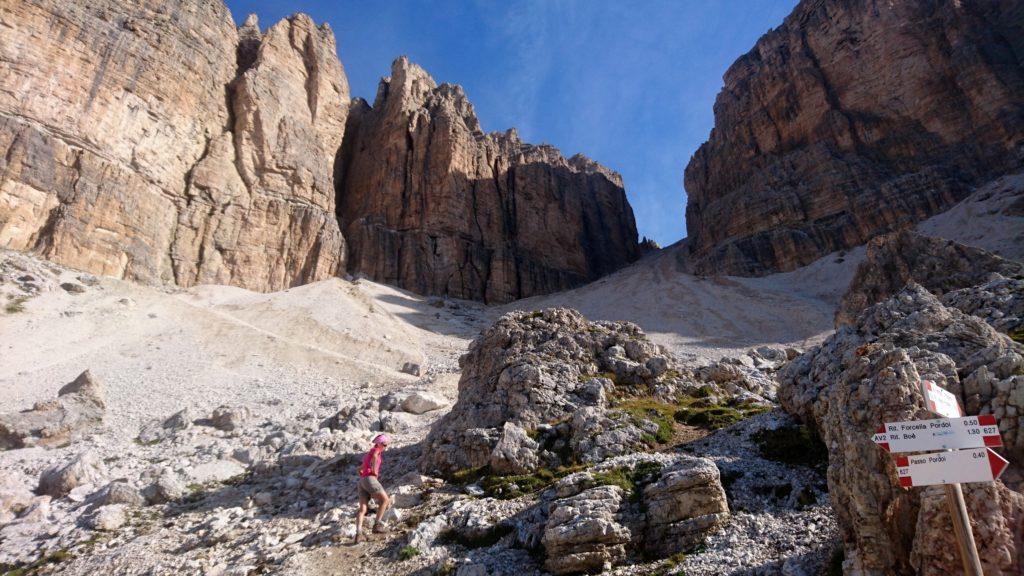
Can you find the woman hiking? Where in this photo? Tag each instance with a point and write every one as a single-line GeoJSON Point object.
{"type": "Point", "coordinates": [369, 486]}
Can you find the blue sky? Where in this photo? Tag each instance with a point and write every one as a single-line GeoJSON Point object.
{"type": "Point", "coordinates": [629, 84]}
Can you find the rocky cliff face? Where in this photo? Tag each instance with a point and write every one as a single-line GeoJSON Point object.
{"type": "Point", "coordinates": [850, 119]}
{"type": "Point", "coordinates": [155, 142]}
{"type": "Point", "coordinates": [429, 202]}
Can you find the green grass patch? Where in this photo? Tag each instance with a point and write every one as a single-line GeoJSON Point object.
{"type": "Point", "coordinates": [671, 566]}
{"type": "Point", "coordinates": [514, 486]}
{"type": "Point", "coordinates": [797, 445]}
{"type": "Point", "coordinates": [660, 413]}
{"type": "Point", "coordinates": [34, 567]}
{"type": "Point", "coordinates": [716, 416]}
{"type": "Point", "coordinates": [469, 475]}
{"type": "Point", "coordinates": [408, 553]}
{"type": "Point", "coordinates": [16, 305]}
{"type": "Point", "coordinates": [631, 481]}
{"type": "Point", "coordinates": [1017, 335]}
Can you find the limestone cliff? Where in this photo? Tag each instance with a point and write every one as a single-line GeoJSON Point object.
{"type": "Point", "coordinates": [430, 203]}
{"type": "Point", "coordinates": [854, 118]}
{"type": "Point", "coordinates": [155, 142]}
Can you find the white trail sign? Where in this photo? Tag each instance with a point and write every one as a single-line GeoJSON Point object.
{"type": "Point", "coordinates": [953, 467]}
{"type": "Point", "coordinates": [939, 434]}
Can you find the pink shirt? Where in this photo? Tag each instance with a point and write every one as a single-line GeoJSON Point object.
{"type": "Point", "coordinates": [371, 462]}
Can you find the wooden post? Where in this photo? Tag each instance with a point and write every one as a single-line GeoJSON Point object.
{"type": "Point", "coordinates": [962, 530]}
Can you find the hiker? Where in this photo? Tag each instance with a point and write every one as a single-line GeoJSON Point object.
{"type": "Point", "coordinates": [370, 487]}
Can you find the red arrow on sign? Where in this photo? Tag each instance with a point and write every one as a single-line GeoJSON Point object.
{"type": "Point", "coordinates": [997, 463]}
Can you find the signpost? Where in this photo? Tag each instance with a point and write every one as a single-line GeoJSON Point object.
{"type": "Point", "coordinates": [968, 458]}
{"type": "Point", "coordinates": [939, 434]}
{"type": "Point", "coordinates": [940, 401]}
{"type": "Point", "coordinates": [953, 467]}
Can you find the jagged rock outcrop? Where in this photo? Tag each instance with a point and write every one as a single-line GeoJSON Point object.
{"type": "Point", "coordinates": [999, 301]}
{"type": "Point", "coordinates": [937, 264]}
{"type": "Point", "coordinates": [155, 142]}
{"type": "Point", "coordinates": [430, 203]}
{"type": "Point", "coordinates": [850, 119]}
{"type": "Point", "coordinates": [547, 388]}
{"type": "Point", "coordinates": [85, 469]}
{"type": "Point", "coordinates": [869, 373]}
{"type": "Point", "coordinates": [78, 410]}
{"type": "Point", "coordinates": [549, 373]}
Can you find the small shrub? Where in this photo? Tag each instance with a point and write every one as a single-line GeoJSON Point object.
{"type": "Point", "coordinates": [797, 445]}
{"type": "Point", "coordinates": [676, 559]}
{"type": "Point", "coordinates": [408, 553]}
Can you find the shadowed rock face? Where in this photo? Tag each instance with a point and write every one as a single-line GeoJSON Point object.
{"type": "Point", "coordinates": [155, 142]}
{"type": "Point", "coordinates": [850, 119]}
{"type": "Point", "coordinates": [430, 203]}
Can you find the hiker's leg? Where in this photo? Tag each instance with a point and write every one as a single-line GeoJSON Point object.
{"type": "Point", "coordinates": [383, 503]}
{"type": "Point", "coordinates": [364, 504]}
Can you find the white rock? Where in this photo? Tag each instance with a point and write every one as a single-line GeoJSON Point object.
{"type": "Point", "coordinates": [110, 518]}
{"type": "Point", "coordinates": [421, 402]}
{"type": "Point", "coordinates": [216, 471]}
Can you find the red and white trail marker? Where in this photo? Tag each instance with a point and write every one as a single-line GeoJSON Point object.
{"type": "Point", "coordinates": [939, 400]}
{"type": "Point", "coordinates": [953, 467]}
{"type": "Point", "coordinates": [939, 434]}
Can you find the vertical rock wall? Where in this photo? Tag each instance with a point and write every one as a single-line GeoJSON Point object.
{"type": "Point", "coordinates": [853, 118]}
{"type": "Point", "coordinates": [151, 141]}
{"type": "Point", "coordinates": [430, 203]}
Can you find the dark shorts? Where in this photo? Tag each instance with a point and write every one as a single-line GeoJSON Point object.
{"type": "Point", "coordinates": [368, 487]}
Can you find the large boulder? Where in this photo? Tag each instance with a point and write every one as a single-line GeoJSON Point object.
{"type": "Point", "coordinates": [869, 373]}
{"type": "Point", "coordinates": [683, 506]}
{"type": "Point", "coordinates": [535, 385]}
{"type": "Point", "coordinates": [657, 506]}
{"type": "Point", "coordinates": [159, 430]}
{"type": "Point", "coordinates": [78, 409]}
{"type": "Point", "coordinates": [584, 533]}
{"type": "Point", "coordinates": [939, 265]}
{"type": "Point", "coordinates": [83, 470]}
